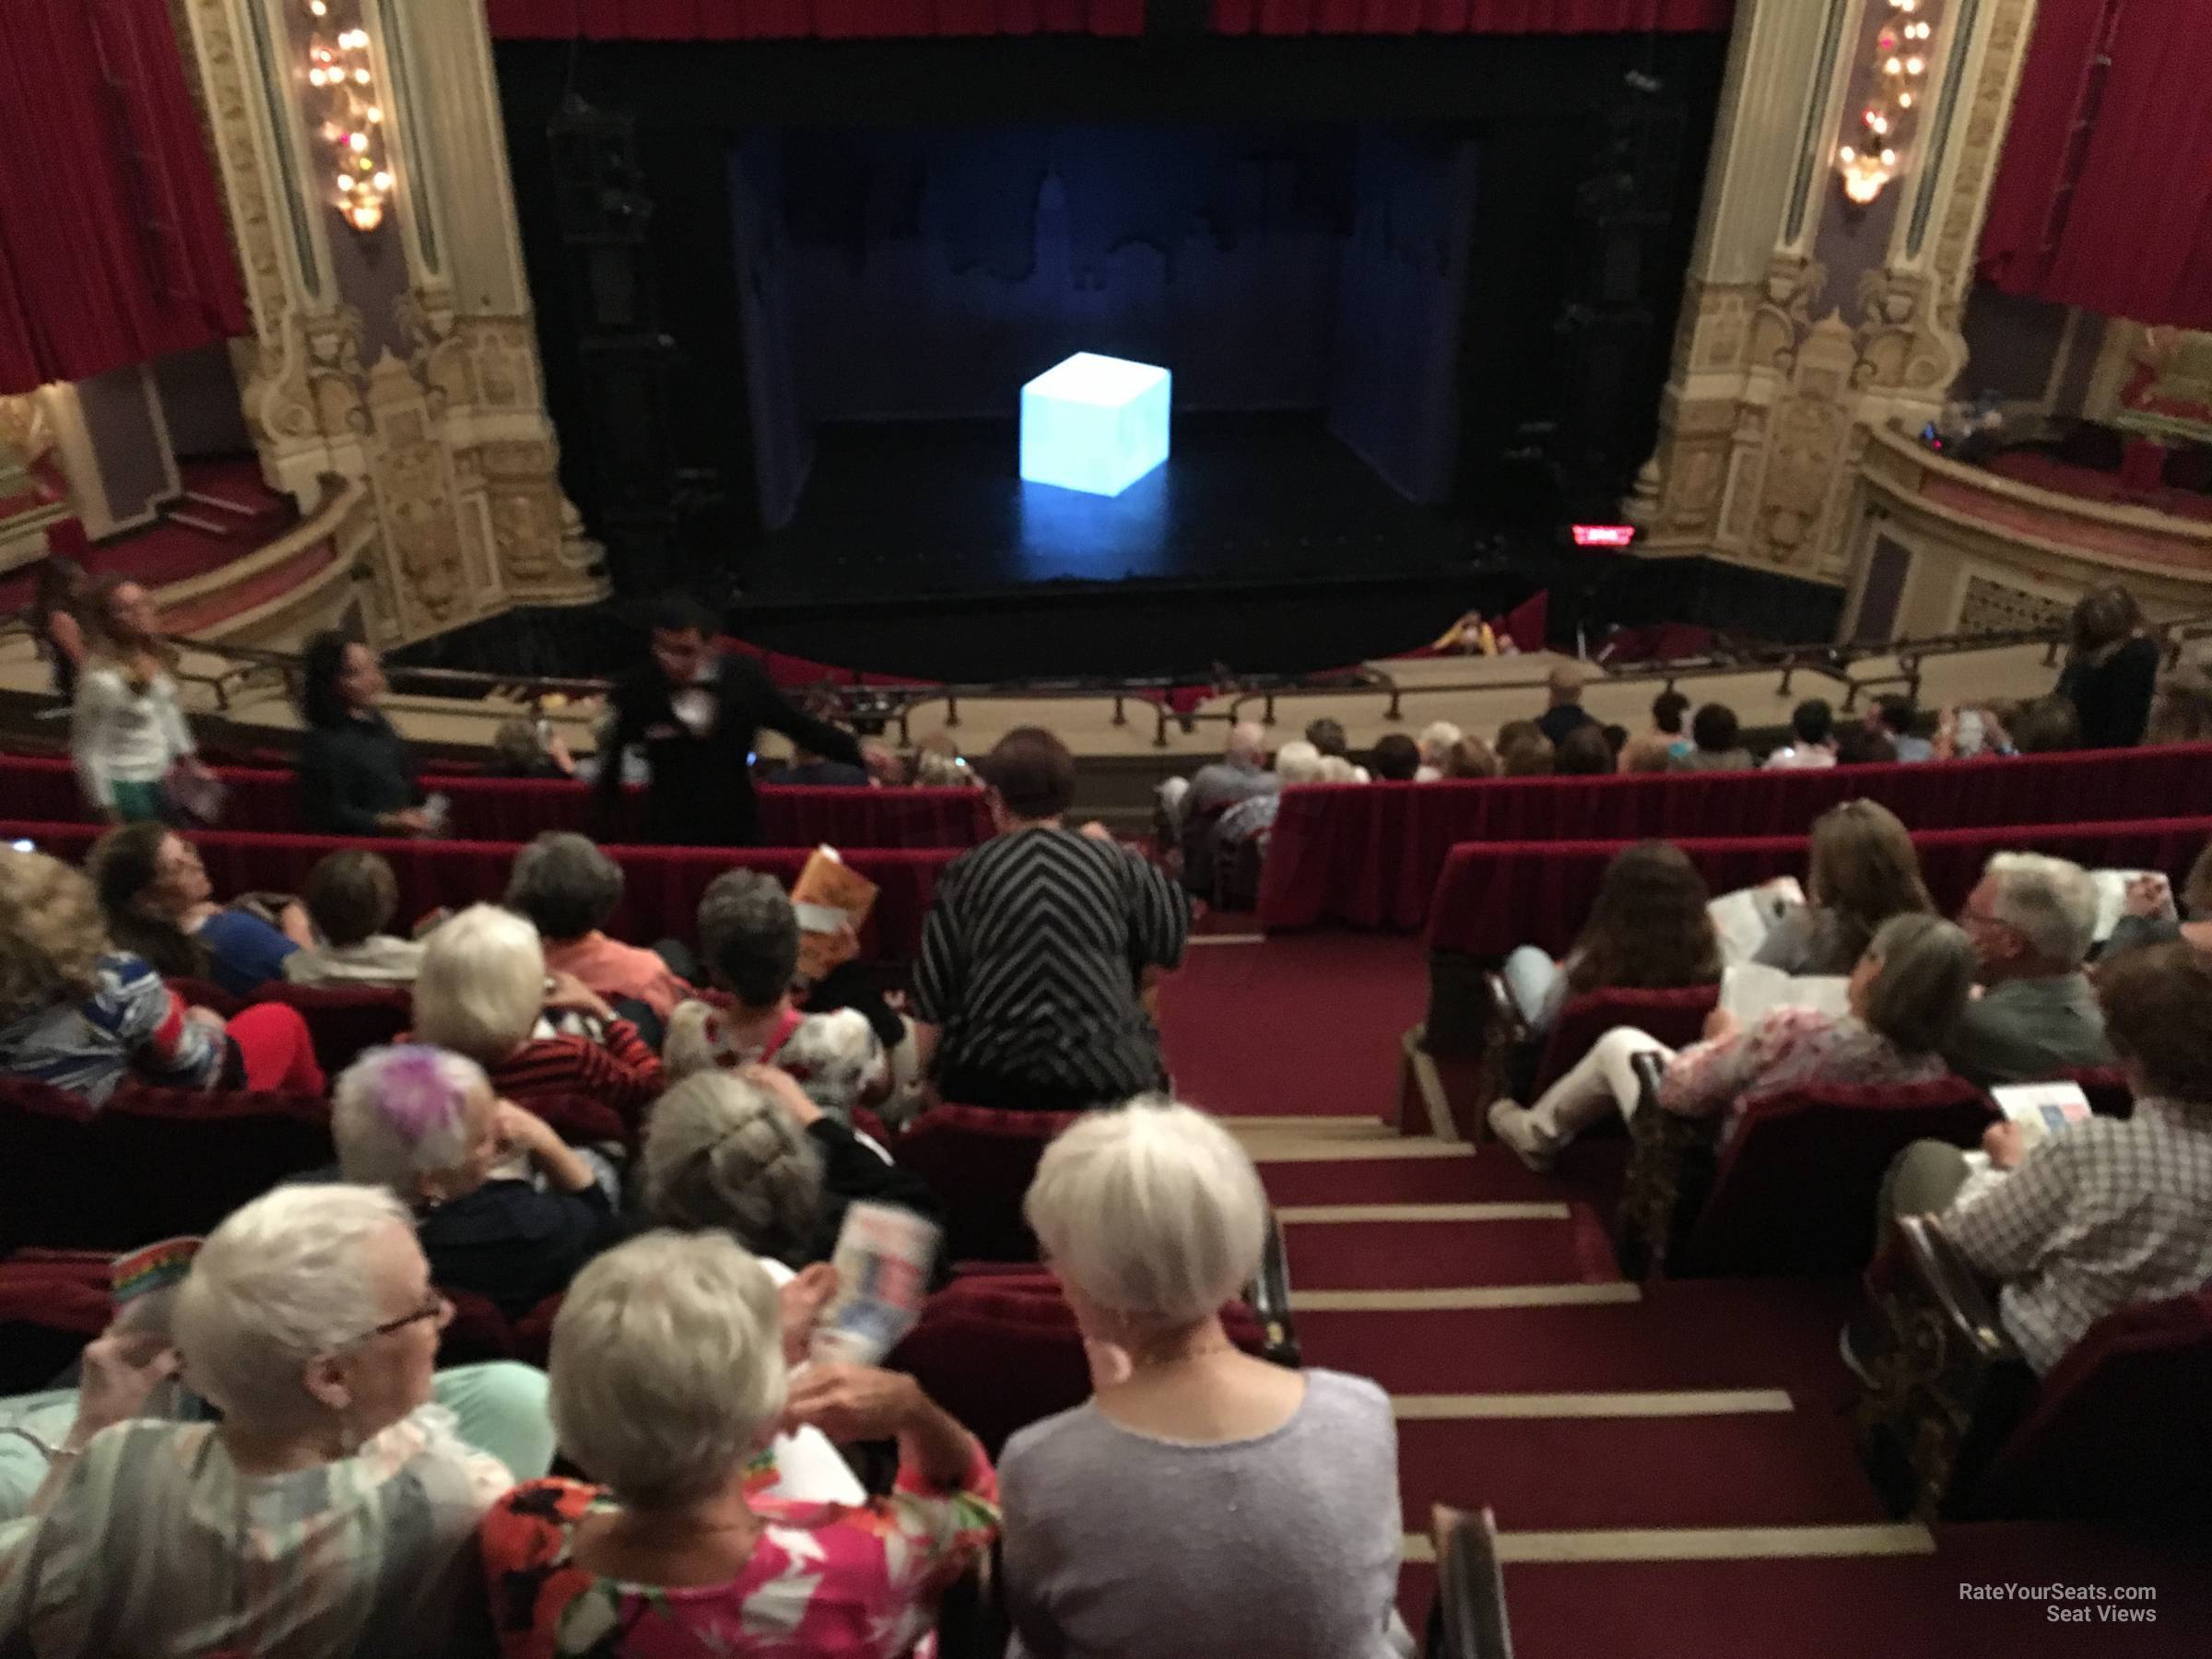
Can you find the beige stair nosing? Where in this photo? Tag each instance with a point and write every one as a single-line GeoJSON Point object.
{"type": "Point", "coordinates": [1594, 1403]}
{"type": "Point", "coordinates": [1466, 1298]}
{"type": "Point", "coordinates": [1850, 1541]}
{"type": "Point", "coordinates": [1324, 1214]}
{"type": "Point", "coordinates": [1301, 1150]}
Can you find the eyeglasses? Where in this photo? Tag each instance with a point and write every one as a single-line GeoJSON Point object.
{"type": "Point", "coordinates": [436, 1308]}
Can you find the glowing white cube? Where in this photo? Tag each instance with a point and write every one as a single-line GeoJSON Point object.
{"type": "Point", "coordinates": [1096, 424]}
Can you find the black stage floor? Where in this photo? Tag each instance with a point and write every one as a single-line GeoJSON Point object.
{"type": "Point", "coordinates": [1263, 544]}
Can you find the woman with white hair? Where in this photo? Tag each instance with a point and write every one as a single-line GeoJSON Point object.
{"type": "Point", "coordinates": [1195, 1466]}
{"type": "Point", "coordinates": [568, 889]}
{"type": "Point", "coordinates": [1438, 739]}
{"type": "Point", "coordinates": [1296, 762]}
{"type": "Point", "coordinates": [425, 1125]}
{"type": "Point", "coordinates": [481, 992]}
{"type": "Point", "coordinates": [749, 1153]}
{"type": "Point", "coordinates": [669, 1379]}
{"type": "Point", "coordinates": [1906, 997]}
{"type": "Point", "coordinates": [331, 1511]}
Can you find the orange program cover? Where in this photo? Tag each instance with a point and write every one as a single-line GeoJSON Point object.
{"type": "Point", "coordinates": [829, 894]}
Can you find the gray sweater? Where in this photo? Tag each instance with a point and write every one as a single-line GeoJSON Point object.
{"type": "Point", "coordinates": [1119, 1545]}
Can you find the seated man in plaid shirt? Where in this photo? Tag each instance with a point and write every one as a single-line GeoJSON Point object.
{"type": "Point", "coordinates": [2108, 1213]}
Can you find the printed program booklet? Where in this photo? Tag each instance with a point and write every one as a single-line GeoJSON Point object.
{"type": "Point", "coordinates": [829, 896]}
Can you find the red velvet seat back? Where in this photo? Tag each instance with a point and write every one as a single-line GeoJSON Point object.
{"type": "Point", "coordinates": [1001, 1351]}
{"type": "Point", "coordinates": [2106, 1087]}
{"type": "Point", "coordinates": [981, 1162]}
{"type": "Point", "coordinates": [51, 1303]}
{"type": "Point", "coordinates": [479, 1331]}
{"type": "Point", "coordinates": [1674, 1018]}
{"type": "Point", "coordinates": [176, 1162]}
{"type": "Point", "coordinates": [344, 1021]}
{"type": "Point", "coordinates": [45, 1157]}
{"type": "Point", "coordinates": [2120, 1426]}
{"type": "Point", "coordinates": [1796, 1187]}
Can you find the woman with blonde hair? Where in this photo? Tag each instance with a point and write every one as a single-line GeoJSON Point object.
{"type": "Point", "coordinates": [1194, 1464]}
{"type": "Point", "coordinates": [670, 1379]}
{"type": "Point", "coordinates": [79, 1015]}
{"type": "Point", "coordinates": [127, 730]}
{"type": "Point", "coordinates": [1863, 871]}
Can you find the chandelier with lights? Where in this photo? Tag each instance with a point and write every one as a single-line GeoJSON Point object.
{"type": "Point", "coordinates": [342, 104]}
{"type": "Point", "coordinates": [1891, 111]}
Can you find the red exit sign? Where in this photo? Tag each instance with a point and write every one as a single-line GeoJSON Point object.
{"type": "Point", "coordinates": [1604, 535]}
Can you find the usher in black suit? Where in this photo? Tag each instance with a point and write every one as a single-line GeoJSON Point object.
{"type": "Point", "coordinates": [702, 793]}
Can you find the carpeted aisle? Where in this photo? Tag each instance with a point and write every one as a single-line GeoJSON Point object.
{"type": "Point", "coordinates": [1670, 1465]}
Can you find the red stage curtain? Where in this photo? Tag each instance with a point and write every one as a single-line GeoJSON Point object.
{"type": "Point", "coordinates": [1469, 16]}
{"type": "Point", "coordinates": [112, 246]}
{"type": "Point", "coordinates": [2135, 238]}
{"type": "Point", "coordinates": [805, 19]}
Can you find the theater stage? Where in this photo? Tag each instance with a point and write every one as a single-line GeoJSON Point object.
{"type": "Point", "coordinates": [1263, 542]}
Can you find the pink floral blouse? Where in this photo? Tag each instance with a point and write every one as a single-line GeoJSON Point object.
{"type": "Point", "coordinates": [826, 1580]}
{"type": "Point", "coordinates": [1786, 1048]}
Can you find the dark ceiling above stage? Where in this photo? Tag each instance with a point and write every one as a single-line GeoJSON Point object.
{"type": "Point", "coordinates": [882, 20]}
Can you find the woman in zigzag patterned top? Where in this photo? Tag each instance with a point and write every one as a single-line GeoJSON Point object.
{"type": "Point", "coordinates": [1039, 949]}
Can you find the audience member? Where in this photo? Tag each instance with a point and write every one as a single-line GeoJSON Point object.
{"type": "Point", "coordinates": [1812, 739]}
{"type": "Point", "coordinates": [1906, 997]}
{"type": "Point", "coordinates": [1328, 735]}
{"type": "Point", "coordinates": [2182, 709]}
{"type": "Point", "coordinates": [530, 748]}
{"type": "Point", "coordinates": [2105, 1214]}
{"type": "Point", "coordinates": [2149, 915]}
{"type": "Point", "coordinates": [1295, 762]}
{"type": "Point", "coordinates": [936, 769]}
{"type": "Point", "coordinates": [424, 1125]}
{"type": "Point", "coordinates": [808, 770]}
{"type": "Point", "coordinates": [1617, 742]}
{"type": "Point", "coordinates": [1396, 759]}
{"type": "Point", "coordinates": [697, 710]}
{"type": "Point", "coordinates": [60, 594]}
{"type": "Point", "coordinates": [2048, 725]}
{"type": "Point", "coordinates": [1283, 1483]}
{"type": "Point", "coordinates": [1039, 948]}
{"type": "Point", "coordinates": [127, 732]}
{"type": "Point", "coordinates": [78, 1015]}
{"type": "Point", "coordinates": [1240, 773]}
{"type": "Point", "coordinates": [1336, 769]}
{"type": "Point", "coordinates": [356, 776]}
{"type": "Point", "coordinates": [1649, 930]}
{"type": "Point", "coordinates": [749, 1152]}
{"type": "Point", "coordinates": [1563, 686]}
{"type": "Point", "coordinates": [161, 905]}
{"type": "Point", "coordinates": [1436, 741]}
{"type": "Point", "coordinates": [1864, 746]}
{"type": "Point", "coordinates": [482, 991]}
{"type": "Point", "coordinates": [748, 937]}
{"type": "Point", "coordinates": [351, 895]}
{"type": "Point", "coordinates": [333, 1508]}
{"type": "Point", "coordinates": [2033, 921]}
{"type": "Point", "coordinates": [669, 1376]}
{"type": "Point", "coordinates": [1895, 715]}
{"type": "Point", "coordinates": [1470, 758]}
{"type": "Point", "coordinates": [2111, 669]}
{"type": "Point", "coordinates": [1715, 745]}
{"type": "Point", "coordinates": [1526, 754]}
{"type": "Point", "coordinates": [1861, 870]}
{"type": "Point", "coordinates": [566, 889]}
{"type": "Point", "coordinates": [1585, 754]}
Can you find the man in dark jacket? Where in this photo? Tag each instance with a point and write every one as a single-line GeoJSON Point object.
{"type": "Point", "coordinates": [697, 711]}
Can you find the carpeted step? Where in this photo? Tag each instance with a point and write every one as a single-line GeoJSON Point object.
{"type": "Point", "coordinates": [1744, 1468]}
{"type": "Point", "coordinates": [1415, 1255]}
{"type": "Point", "coordinates": [1378, 1181]}
{"type": "Point", "coordinates": [1699, 1334]}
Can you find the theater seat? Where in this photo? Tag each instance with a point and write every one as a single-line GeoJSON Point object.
{"type": "Point", "coordinates": [1793, 1191]}
{"type": "Point", "coordinates": [1000, 1351]}
{"type": "Point", "coordinates": [345, 1020]}
{"type": "Point", "coordinates": [1675, 1018]}
{"type": "Point", "coordinates": [2106, 1087]}
{"type": "Point", "coordinates": [45, 1157]}
{"type": "Point", "coordinates": [980, 1162]}
{"type": "Point", "coordinates": [479, 1333]}
{"type": "Point", "coordinates": [169, 1160]}
{"type": "Point", "coordinates": [51, 1303]}
{"type": "Point", "coordinates": [1955, 1425]}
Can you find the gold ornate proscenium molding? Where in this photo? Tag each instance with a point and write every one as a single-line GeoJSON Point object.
{"type": "Point", "coordinates": [1886, 121]}
{"type": "Point", "coordinates": [348, 118]}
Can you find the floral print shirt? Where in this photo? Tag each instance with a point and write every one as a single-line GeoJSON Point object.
{"type": "Point", "coordinates": [1786, 1048]}
{"type": "Point", "coordinates": [826, 1580]}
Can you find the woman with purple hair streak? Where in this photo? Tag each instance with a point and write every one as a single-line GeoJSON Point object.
{"type": "Point", "coordinates": [502, 1206]}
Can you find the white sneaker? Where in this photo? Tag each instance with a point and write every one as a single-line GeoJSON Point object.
{"type": "Point", "coordinates": [1511, 1124]}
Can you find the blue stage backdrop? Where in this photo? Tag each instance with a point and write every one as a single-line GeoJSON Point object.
{"type": "Point", "coordinates": [928, 274]}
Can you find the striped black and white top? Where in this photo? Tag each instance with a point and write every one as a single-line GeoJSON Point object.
{"type": "Point", "coordinates": [1031, 960]}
